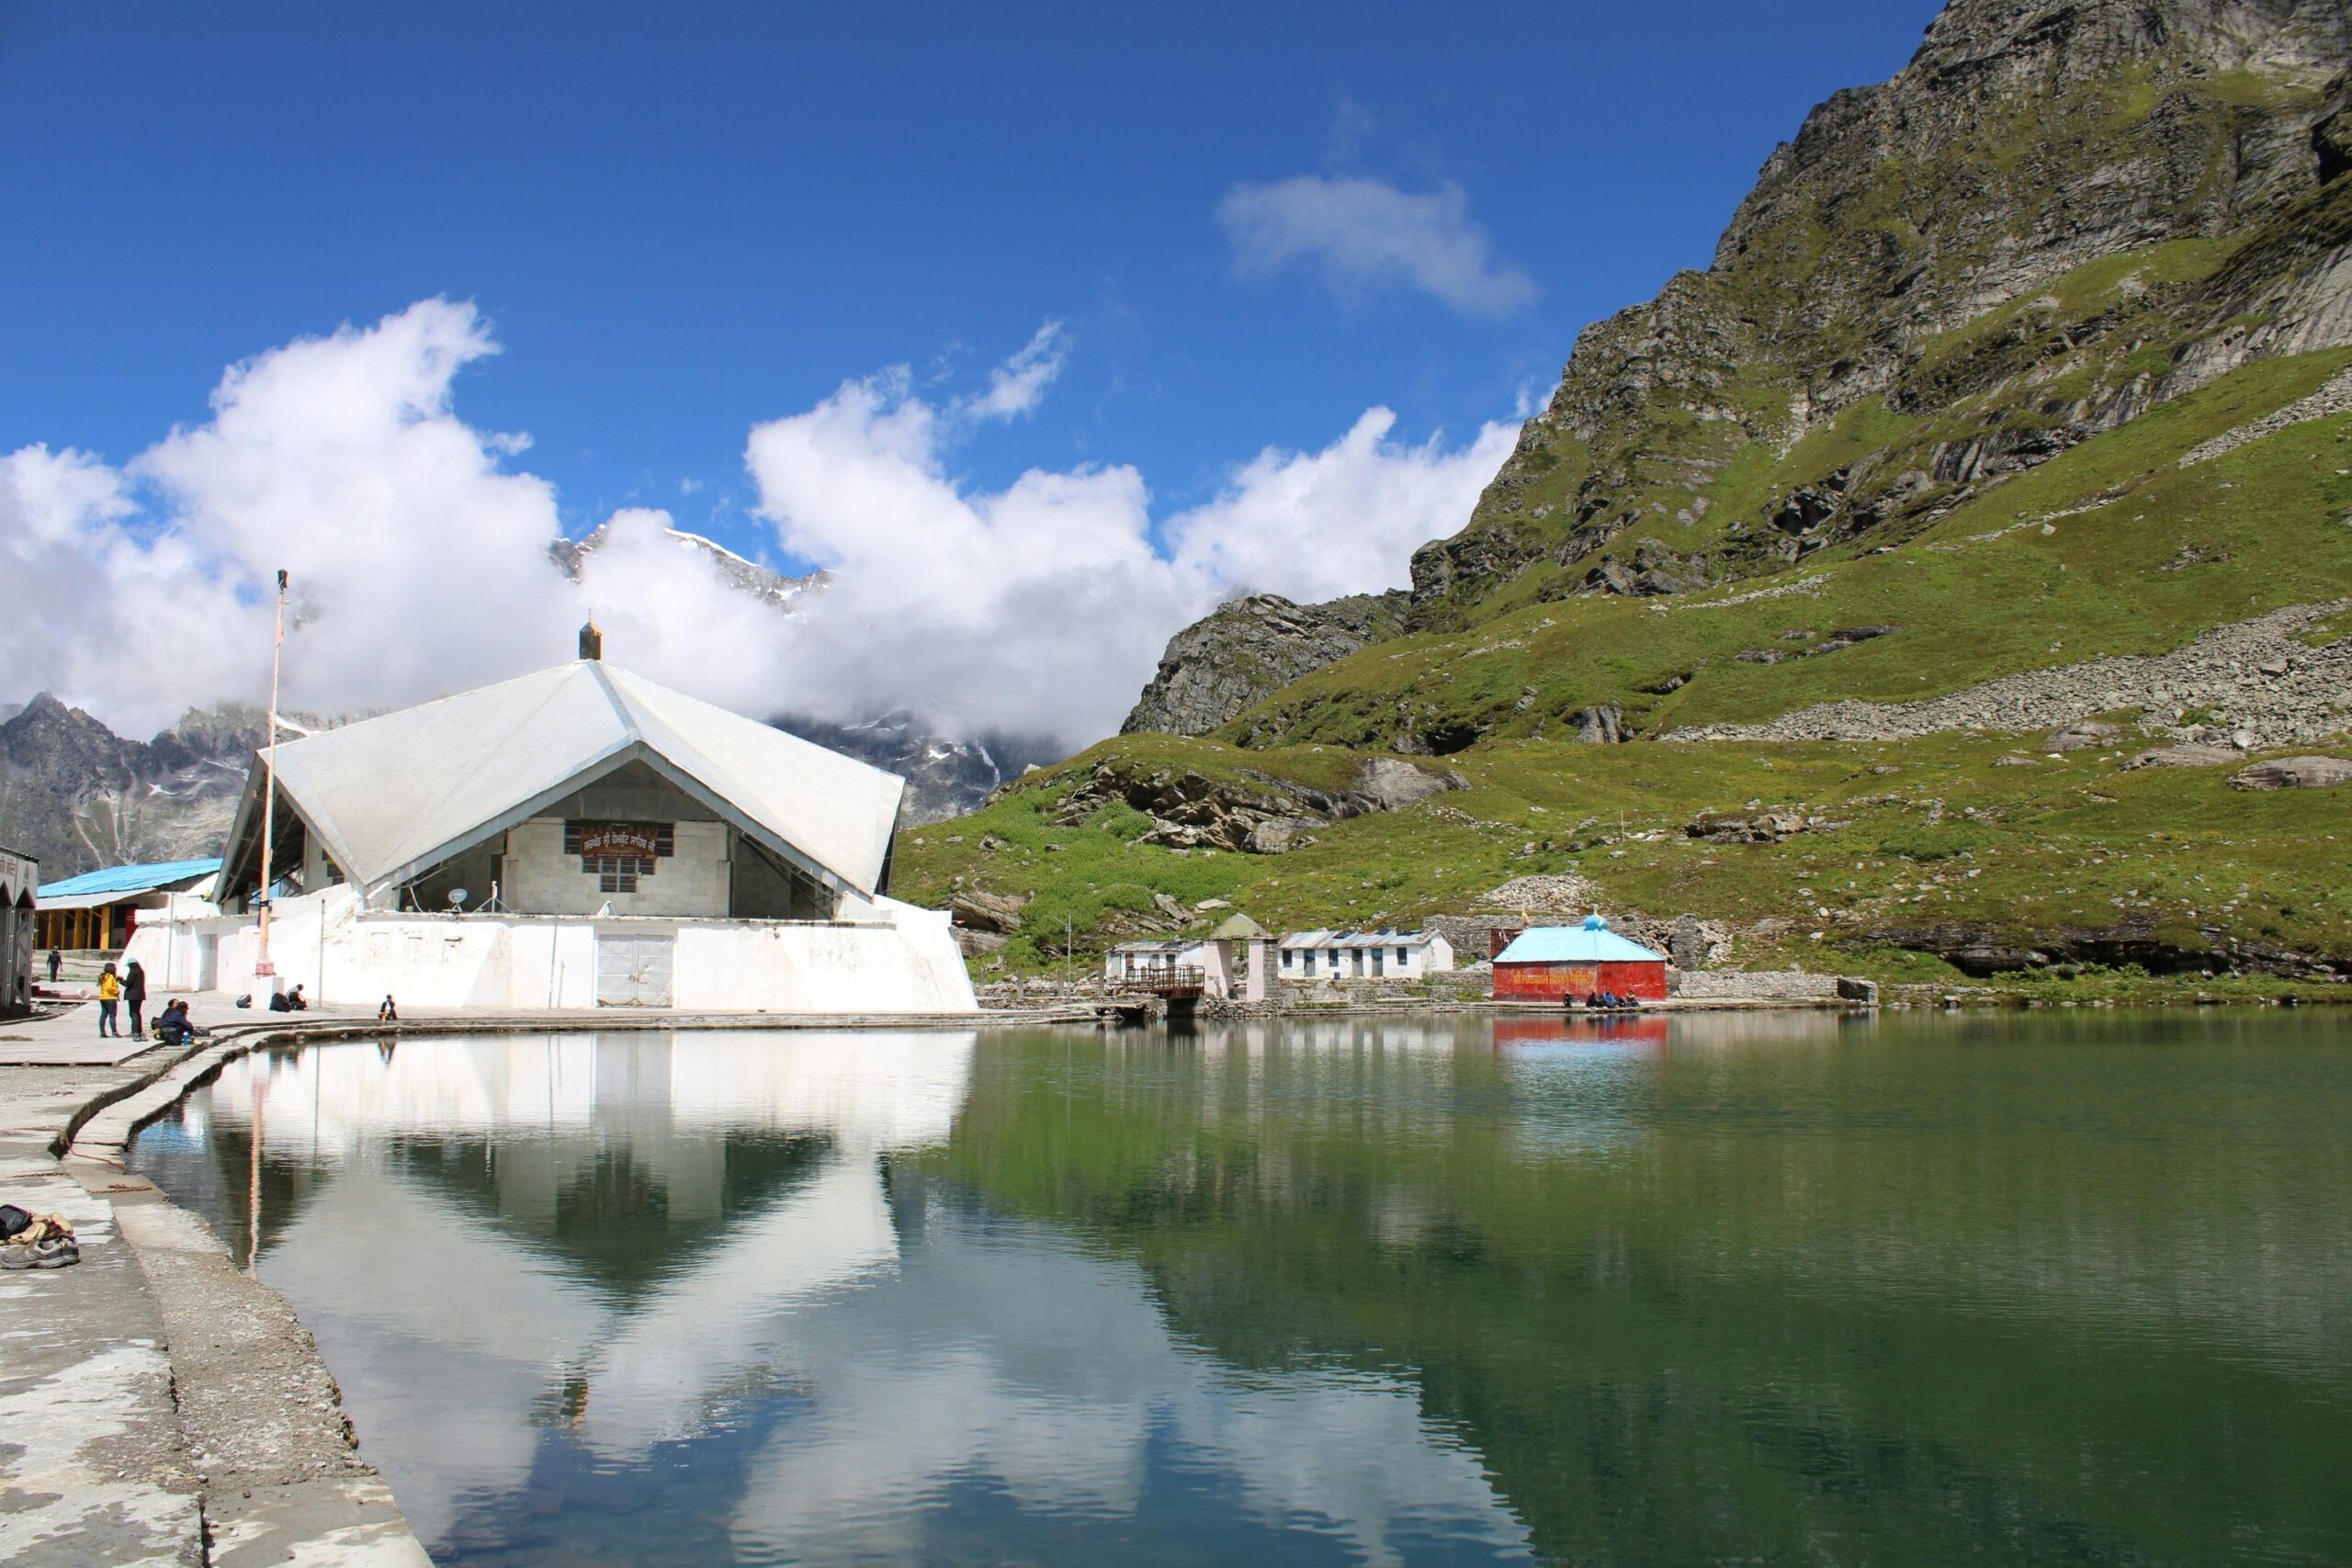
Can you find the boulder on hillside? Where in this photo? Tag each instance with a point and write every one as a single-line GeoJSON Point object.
{"type": "Point", "coordinates": [2082, 736]}
{"type": "Point", "coordinates": [1392, 785]}
{"type": "Point", "coordinates": [1746, 827]}
{"type": "Point", "coordinates": [1281, 836]}
{"type": "Point", "coordinates": [979, 911]}
{"type": "Point", "coordinates": [2194, 755]}
{"type": "Point", "coordinates": [1602, 725]}
{"type": "Point", "coordinates": [2294, 773]}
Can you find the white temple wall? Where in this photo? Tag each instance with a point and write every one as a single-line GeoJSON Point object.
{"type": "Point", "coordinates": [899, 959]}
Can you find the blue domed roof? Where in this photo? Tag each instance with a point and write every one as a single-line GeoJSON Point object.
{"type": "Point", "coordinates": [1592, 943]}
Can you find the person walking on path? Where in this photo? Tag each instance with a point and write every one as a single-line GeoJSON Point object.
{"type": "Point", "coordinates": [110, 995]}
{"type": "Point", "coordinates": [56, 961]}
{"type": "Point", "coordinates": [134, 997]}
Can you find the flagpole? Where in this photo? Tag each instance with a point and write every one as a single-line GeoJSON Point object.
{"type": "Point", "coordinates": [262, 965]}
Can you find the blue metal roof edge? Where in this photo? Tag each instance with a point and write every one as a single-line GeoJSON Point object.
{"type": "Point", "coordinates": [129, 878]}
{"type": "Point", "coordinates": [1575, 944]}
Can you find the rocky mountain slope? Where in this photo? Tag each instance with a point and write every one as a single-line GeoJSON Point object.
{"type": "Point", "coordinates": [944, 778]}
{"type": "Point", "coordinates": [80, 796]}
{"type": "Point", "coordinates": [2016, 398]}
{"type": "Point", "coordinates": [1252, 648]}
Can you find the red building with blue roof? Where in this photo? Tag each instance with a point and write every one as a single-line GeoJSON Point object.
{"type": "Point", "coordinates": [1546, 963]}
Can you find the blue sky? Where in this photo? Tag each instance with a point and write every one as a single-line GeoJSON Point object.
{"type": "Point", "coordinates": [684, 219]}
{"type": "Point", "coordinates": [665, 229]}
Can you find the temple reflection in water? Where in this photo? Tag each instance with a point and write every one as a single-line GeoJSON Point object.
{"type": "Point", "coordinates": [524, 1253]}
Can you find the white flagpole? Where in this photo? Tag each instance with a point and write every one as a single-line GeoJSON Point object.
{"type": "Point", "coordinates": [262, 965]}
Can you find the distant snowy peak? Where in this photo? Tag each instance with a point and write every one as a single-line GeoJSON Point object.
{"type": "Point", "coordinates": [945, 775]}
{"type": "Point", "coordinates": [752, 578]}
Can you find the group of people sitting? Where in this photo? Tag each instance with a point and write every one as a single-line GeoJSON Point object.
{"type": "Point", "coordinates": [1605, 1001]}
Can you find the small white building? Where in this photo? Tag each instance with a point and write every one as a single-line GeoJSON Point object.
{"type": "Point", "coordinates": [1363, 955]}
{"type": "Point", "coordinates": [1139, 962]}
{"type": "Point", "coordinates": [579, 837]}
{"type": "Point", "coordinates": [1232, 963]}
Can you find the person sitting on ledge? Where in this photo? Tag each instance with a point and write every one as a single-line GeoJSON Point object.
{"type": "Point", "coordinates": [388, 1013]}
{"type": "Point", "coordinates": [172, 1026]}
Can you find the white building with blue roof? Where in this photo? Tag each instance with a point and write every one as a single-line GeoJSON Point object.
{"type": "Point", "coordinates": [101, 909]}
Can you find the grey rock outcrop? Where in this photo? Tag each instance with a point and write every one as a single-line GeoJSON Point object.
{"type": "Point", "coordinates": [2191, 755]}
{"type": "Point", "coordinates": [1258, 815]}
{"type": "Point", "coordinates": [1746, 827]}
{"type": "Point", "coordinates": [1601, 726]}
{"type": "Point", "coordinates": [1392, 784]}
{"type": "Point", "coordinates": [1250, 649]}
{"type": "Point", "coordinates": [2295, 773]}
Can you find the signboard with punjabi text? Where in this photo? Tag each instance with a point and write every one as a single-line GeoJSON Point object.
{"type": "Point", "coordinates": [626, 841]}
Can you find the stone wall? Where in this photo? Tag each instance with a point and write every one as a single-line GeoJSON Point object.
{"type": "Point", "coordinates": [1766, 986]}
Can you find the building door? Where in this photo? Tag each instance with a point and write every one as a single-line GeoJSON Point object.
{"type": "Point", "coordinates": [634, 971]}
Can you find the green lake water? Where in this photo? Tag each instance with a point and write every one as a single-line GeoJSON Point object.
{"type": "Point", "coordinates": [1770, 1288]}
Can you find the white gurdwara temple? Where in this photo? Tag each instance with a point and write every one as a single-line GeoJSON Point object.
{"type": "Point", "coordinates": [576, 838]}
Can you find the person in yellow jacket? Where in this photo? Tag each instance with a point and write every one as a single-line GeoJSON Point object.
{"type": "Point", "coordinates": [109, 999]}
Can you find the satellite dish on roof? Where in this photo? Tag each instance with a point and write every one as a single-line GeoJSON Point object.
{"type": "Point", "coordinates": [457, 897]}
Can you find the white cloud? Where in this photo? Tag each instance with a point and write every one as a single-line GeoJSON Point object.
{"type": "Point", "coordinates": [418, 551]}
{"type": "Point", "coordinates": [1018, 386]}
{"type": "Point", "coordinates": [418, 563]}
{"type": "Point", "coordinates": [1365, 232]}
{"type": "Point", "coordinates": [1314, 525]}
{"type": "Point", "coordinates": [1043, 607]}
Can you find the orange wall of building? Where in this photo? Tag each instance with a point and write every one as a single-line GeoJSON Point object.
{"type": "Point", "coordinates": [1550, 982]}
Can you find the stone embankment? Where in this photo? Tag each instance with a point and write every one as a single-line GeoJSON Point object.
{"type": "Point", "coordinates": [1766, 986]}
{"type": "Point", "coordinates": [2261, 684]}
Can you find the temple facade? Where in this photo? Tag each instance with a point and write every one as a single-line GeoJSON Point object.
{"type": "Point", "coordinates": [579, 837]}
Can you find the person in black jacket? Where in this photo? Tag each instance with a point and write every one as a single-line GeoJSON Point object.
{"type": "Point", "coordinates": [172, 1025]}
{"type": "Point", "coordinates": [135, 996]}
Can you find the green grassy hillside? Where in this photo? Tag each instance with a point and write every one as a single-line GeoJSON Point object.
{"type": "Point", "coordinates": [1943, 412]}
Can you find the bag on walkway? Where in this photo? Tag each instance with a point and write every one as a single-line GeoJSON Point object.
{"type": "Point", "coordinates": [43, 1241]}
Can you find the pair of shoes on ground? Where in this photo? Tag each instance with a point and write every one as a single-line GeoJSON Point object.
{"type": "Point", "coordinates": [53, 1252]}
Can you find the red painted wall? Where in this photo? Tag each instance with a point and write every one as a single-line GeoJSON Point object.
{"type": "Point", "coordinates": [1587, 1029]}
{"type": "Point", "coordinates": [1550, 982]}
